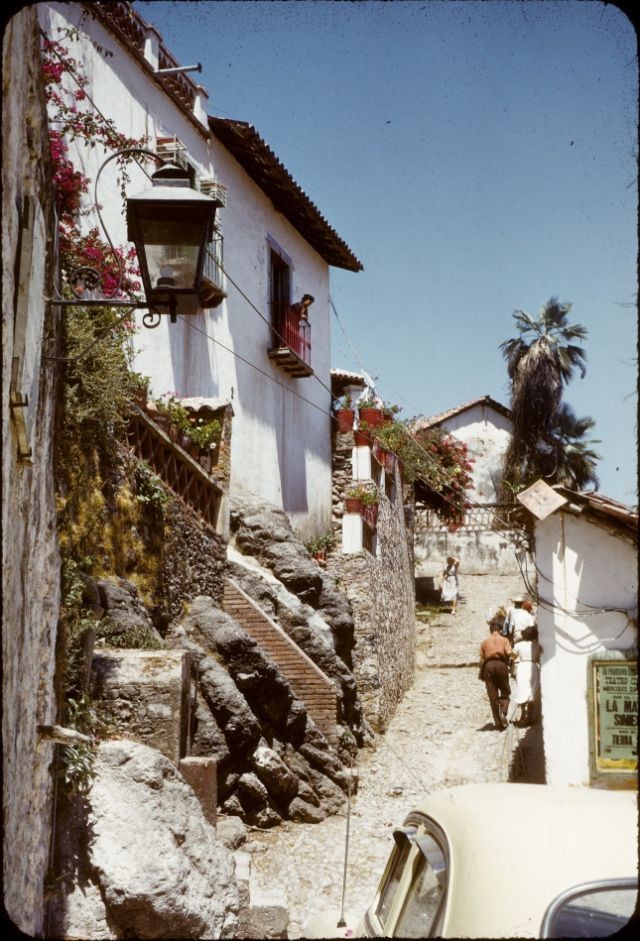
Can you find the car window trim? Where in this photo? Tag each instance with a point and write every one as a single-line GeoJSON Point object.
{"type": "Point", "coordinates": [574, 891]}
{"type": "Point", "coordinates": [399, 835]}
{"type": "Point", "coordinates": [432, 831]}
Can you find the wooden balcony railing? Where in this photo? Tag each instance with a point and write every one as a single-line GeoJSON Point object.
{"type": "Point", "coordinates": [176, 468]}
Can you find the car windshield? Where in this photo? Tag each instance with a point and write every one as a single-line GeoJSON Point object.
{"type": "Point", "coordinates": [425, 895]}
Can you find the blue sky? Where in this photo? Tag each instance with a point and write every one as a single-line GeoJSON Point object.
{"type": "Point", "coordinates": [477, 156]}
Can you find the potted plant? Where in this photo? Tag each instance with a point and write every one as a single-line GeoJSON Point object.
{"type": "Point", "coordinates": [369, 511]}
{"type": "Point", "coordinates": [345, 414]}
{"type": "Point", "coordinates": [319, 546]}
{"type": "Point", "coordinates": [370, 411]}
{"type": "Point", "coordinates": [176, 417]}
{"type": "Point", "coordinates": [389, 412]}
{"type": "Point", "coordinates": [363, 500]}
{"type": "Point", "coordinates": [139, 386]}
{"type": "Point", "coordinates": [362, 435]}
{"type": "Point", "coordinates": [205, 434]}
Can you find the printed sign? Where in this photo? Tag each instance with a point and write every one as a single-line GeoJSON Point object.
{"type": "Point", "coordinates": [615, 683]}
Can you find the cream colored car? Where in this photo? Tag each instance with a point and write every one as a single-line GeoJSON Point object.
{"type": "Point", "coordinates": [507, 860]}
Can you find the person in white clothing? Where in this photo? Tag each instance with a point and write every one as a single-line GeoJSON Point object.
{"type": "Point", "coordinates": [449, 583]}
{"type": "Point", "coordinates": [519, 616]}
{"type": "Point", "coordinates": [526, 665]}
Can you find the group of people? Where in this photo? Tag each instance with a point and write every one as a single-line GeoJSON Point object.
{"type": "Point", "coordinates": [511, 649]}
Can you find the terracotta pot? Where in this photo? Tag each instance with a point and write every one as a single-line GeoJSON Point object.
{"type": "Point", "coordinates": [362, 438]}
{"type": "Point", "coordinates": [162, 421]}
{"type": "Point", "coordinates": [345, 418]}
{"type": "Point", "coordinates": [372, 416]}
{"type": "Point", "coordinates": [387, 418]}
{"type": "Point", "coordinates": [320, 555]}
{"type": "Point", "coordinates": [140, 398]}
{"type": "Point", "coordinates": [352, 505]}
{"type": "Point", "coordinates": [173, 432]}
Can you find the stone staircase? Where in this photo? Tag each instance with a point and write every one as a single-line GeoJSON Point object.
{"type": "Point", "coordinates": [308, 682]}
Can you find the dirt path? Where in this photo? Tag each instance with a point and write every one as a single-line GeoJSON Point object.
{"type": "Point", "coordinates": [441, 735]}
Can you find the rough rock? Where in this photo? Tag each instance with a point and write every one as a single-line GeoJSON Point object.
{"type": "Point", "coordinates": [292, 565]}
{"type": "Point", "coordinates": [149, 852]}
{"type": "Point", "coordinates": [273, 773]}
{"type": "Point", "coordinates": [124, 614]}
{"type": "Point", "coordinates": [249, 719]}
{"type": "Point", "coordinates": [232, 831]}
{"type": "Point", "coordinates": [254, 798]}
{"type": "Point", "coordinates": [269, 695]}
{"type": "Point", "coordinates": [206, 737]}
{"type": "Point", "coordinates": [301, 811]}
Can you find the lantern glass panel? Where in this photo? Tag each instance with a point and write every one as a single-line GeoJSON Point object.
{"type": "Point", "coordinates": [172, 248]}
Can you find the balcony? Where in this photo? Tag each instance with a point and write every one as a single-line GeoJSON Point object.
{"type": "Point", "coordinates": [212, 292]}
{"type": "Point", "coordinates": [292, 344]}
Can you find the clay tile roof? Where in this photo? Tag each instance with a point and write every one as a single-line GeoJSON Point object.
{"type": "Point", "coordinates": [256, 157]}
{"type": "Point", "coordinates": [443, 416]}
{"type": "Point", "coordinates": [344, 374]}
{"type": "Point", "coordinates": [599, 506]}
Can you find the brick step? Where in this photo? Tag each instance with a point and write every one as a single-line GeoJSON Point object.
{"type": "Point", "coordinates": [307, 680]}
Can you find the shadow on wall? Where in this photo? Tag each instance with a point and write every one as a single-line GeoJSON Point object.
{"type": "Point", "coordinates": [292, 463]}
{"type": "Point", "coordinates": [190, 362]}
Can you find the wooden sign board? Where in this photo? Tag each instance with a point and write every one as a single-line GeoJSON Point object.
{"type": "Point", "coordinates": [541, 499]}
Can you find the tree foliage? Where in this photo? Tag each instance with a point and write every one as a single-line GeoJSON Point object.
{"type": "Point", "coordinates": [541, 361]}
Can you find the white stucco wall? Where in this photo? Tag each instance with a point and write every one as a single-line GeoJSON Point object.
{"type": "Point", "coordinates": [486, 432]}
{"type": "Point", "coordinates": [281, 429]}
{"type": "Point", "coordinates": [582, 568]}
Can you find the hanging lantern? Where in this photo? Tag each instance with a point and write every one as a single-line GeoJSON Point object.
{"type": "Point", "coordinates": [171, 225]}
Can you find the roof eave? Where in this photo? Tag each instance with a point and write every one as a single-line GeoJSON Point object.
{"type": "Point", "coordinates": [258, 160]}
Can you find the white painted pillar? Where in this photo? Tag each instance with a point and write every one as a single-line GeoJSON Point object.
{"type": "Point", "coordinates": [152, 47]}
{"type": "Point", "coordinates": [361, 463]}
{"type": "Point", "coordinates": [351, 532]}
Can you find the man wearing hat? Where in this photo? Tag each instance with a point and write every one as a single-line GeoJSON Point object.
{"type": "Point", "coordinates": [519, 616]}
{"type": "Point", "coordinates": [495, 657]}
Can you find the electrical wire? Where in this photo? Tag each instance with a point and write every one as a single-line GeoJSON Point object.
{"type": "Point", "coordinates": [472, 503]}
{"type": "Point", "coordinates": [247, 362]}
{"type": "Point", "coordinates": [260, 314]}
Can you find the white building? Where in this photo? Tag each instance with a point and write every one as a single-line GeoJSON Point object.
{"type": "Point", "coordinates": [484, 543]}
{"type": "Point", "coordinates": [271, 247]}
{"type": "Point", "coordinates": [587, 578]}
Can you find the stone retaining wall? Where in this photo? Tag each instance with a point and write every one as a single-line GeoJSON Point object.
{"type": "Point", "coordinates": [146, 693]}
{"type": "Point", "coordinates": [380, 590]}
{"type": "Point", "coordinates": [307, 680]}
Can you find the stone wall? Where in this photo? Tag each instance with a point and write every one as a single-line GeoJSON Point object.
{"type": "Point", "coordinates": [29, 542]}
{"type": "Point", "coordinates": [145, 693]}
{"type": "Point", "coordinates": [193, 560]}
{"type": "Point", "coordinates": [481, 552]}
{"type": "Point", "coordinates": [380, 591]}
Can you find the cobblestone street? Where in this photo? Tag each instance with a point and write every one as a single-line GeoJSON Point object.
{"type": "Point", "coordinates": [442, 735]}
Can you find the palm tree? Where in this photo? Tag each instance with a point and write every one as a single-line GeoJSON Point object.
{"type": "Point", "coordinates": [575, 459]}
{"type": "Point", "coordinates": [540, 361]}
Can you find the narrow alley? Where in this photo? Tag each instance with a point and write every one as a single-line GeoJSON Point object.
{"type": "Point", "coordinates": [442, 735]}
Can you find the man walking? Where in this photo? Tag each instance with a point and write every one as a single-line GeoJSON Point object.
{"type": "Point", "coordinates": [495, 655]}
